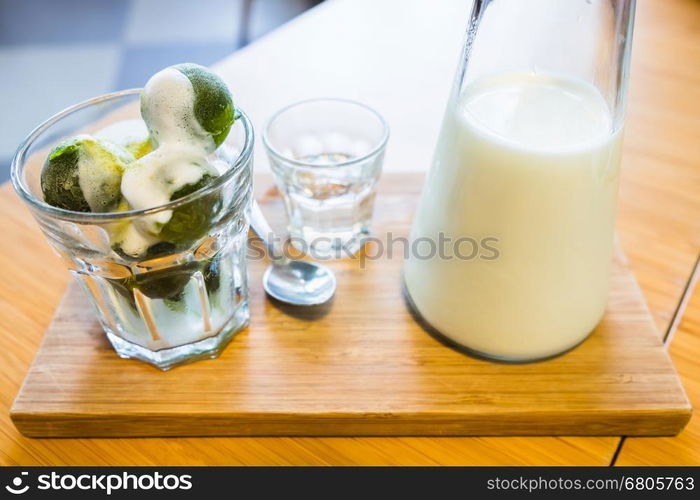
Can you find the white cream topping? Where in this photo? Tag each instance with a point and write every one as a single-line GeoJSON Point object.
{"type": "Point", "coordinates": [133, 241]}
{"type": "Point", "coordinates": [167, 106]}
{"type": "Point", "coordinates": [153, 179]}
{"type": "Point", "coordinates": [180, 158]}
{"type": "Point", "coordinates": [100, 167]}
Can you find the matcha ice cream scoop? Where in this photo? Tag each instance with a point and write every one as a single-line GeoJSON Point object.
{"type": "Point", "coordinates": [187, 102]}
{"type": "Point", "coordinates": [84, 174]}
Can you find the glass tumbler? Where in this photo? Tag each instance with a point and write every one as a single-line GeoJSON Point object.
{"type": "Point", "coordinates": [184, 299]}
{"type": "Point", "coordinates": [527, 165]}
{"type": "Point", "coordinates": [326, 156]}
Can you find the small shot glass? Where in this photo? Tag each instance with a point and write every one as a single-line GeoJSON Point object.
{"type": "Point", "coordinates": [326, 156]}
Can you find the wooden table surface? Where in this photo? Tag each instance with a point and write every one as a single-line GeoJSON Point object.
{"type": "Point", "coordinates": [399, 56]}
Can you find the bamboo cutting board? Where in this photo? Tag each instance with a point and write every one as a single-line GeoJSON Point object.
{"type": "Point", "coordinates": [360, 366]}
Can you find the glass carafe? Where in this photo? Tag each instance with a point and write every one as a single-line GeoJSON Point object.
{"type": "Point", "coordinates": [512, 240]}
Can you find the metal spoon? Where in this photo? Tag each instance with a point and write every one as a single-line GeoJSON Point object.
{"type": "Point", "coordinates": [295, 282]}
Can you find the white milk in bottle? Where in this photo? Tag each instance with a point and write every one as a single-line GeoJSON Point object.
{"type": "Point", "coordinates": [530, 160]}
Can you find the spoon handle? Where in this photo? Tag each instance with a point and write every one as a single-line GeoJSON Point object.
{"type": "Point", "coordinates": [265, 233]}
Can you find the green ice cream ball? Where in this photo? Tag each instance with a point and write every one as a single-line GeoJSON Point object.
{"type": "Point", "coordinates": [191, 221]}
{"type": "Point", "coordinates": [161, 284]}
{"type": "Point", "coordinates": [187, 224]}
{"type": "Point", "coordinates": [213, 105]}
{"type": "Point", "coordinates": [166, 283]}
{"type": "Point", "coordinates": [83, 174]}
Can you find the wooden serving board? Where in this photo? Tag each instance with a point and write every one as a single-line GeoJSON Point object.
{"type": "Point", "coordinates": [361, 366]}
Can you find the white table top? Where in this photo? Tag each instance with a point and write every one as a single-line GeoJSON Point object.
{"type": "Point", "coordinates": [399, 62]}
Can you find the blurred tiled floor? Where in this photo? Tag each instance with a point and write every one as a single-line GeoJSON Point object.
{"type": "Point", "coordinates": [54, 53]}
